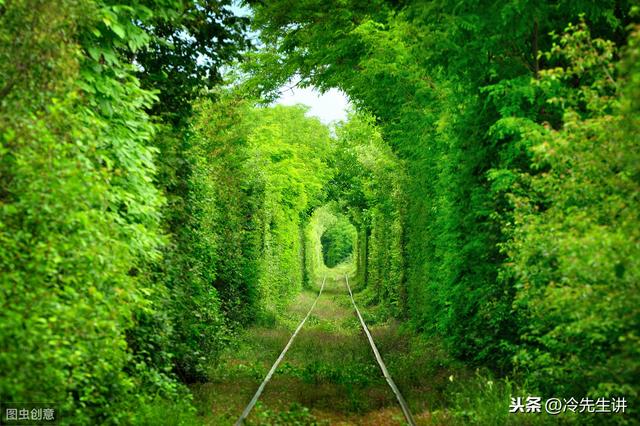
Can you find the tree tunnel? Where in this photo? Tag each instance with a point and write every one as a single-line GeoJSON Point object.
{"type": "Point", "coordinates": [338, 242]}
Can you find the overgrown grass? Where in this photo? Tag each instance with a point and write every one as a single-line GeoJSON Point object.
{"type": "Point", "coordinates": [164, 412]}
{"type": "Point", "coordinates": [329, 375]}
{"type": "Point", "coordinates": [295, 415]}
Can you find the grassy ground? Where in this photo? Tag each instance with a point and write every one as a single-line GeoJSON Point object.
{"type": "Point", "coordinates": [329, 375]}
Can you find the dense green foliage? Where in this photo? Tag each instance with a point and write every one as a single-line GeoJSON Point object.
{"type": "Point", "coordinates": [101, 306]}
{"type": "Point", "coordinates": [574, 226]}
{"type": "Point", "coordinates": [367, 186]}
{"type": "Point", "coordinates": [518, 150]}
{"type": "Point", "coordinates": [486, 187]}
{"type": "Point", "coordinates": [268, 168]}
{"type": "Point", "coordinates": [79, 213]}
{"type": "Point", "coordinates": [188, 42]}
{"type": "Point", "coordinates": [337, 242]}
{"type": "Point", "coordinates": [254, 173]}
{"type": "Point", "coordinates": [313, 255]}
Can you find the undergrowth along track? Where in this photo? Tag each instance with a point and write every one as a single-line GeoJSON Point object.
{"type": "Point", "coordinates": [402, 402]}
{"type": "Point", "coordinates": [275, 365]}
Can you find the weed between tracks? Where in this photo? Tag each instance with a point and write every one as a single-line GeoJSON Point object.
{"type": "Point", "coordinates": [329, 375]}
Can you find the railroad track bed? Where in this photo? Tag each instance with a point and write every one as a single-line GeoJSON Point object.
{"type": "Point", "coordinates": [329, 373]}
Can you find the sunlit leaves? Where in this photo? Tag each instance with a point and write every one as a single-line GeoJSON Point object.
{"type": "Point", "coordinates": [574, 240]}
{"type": "Point", "coordinates": [509, 159]}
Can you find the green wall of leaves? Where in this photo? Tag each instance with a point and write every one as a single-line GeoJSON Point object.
{"type": "Point", "coordinates": [517, 148]}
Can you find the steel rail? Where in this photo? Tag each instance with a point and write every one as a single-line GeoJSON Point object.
{"type": "Point", "coordinates": [383, 367]}
{"type": "Point", "coordinates": [253, 401]}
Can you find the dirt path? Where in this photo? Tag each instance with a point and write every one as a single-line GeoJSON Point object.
{"type": "Point", "coordinates": [329, 375]}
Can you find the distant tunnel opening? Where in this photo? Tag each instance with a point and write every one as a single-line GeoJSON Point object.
{"type": "Point", "coordinates": [338, 242]}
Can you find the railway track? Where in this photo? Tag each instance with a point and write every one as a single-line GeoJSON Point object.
{"type": "Point", "coordinates": [401, 401]}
